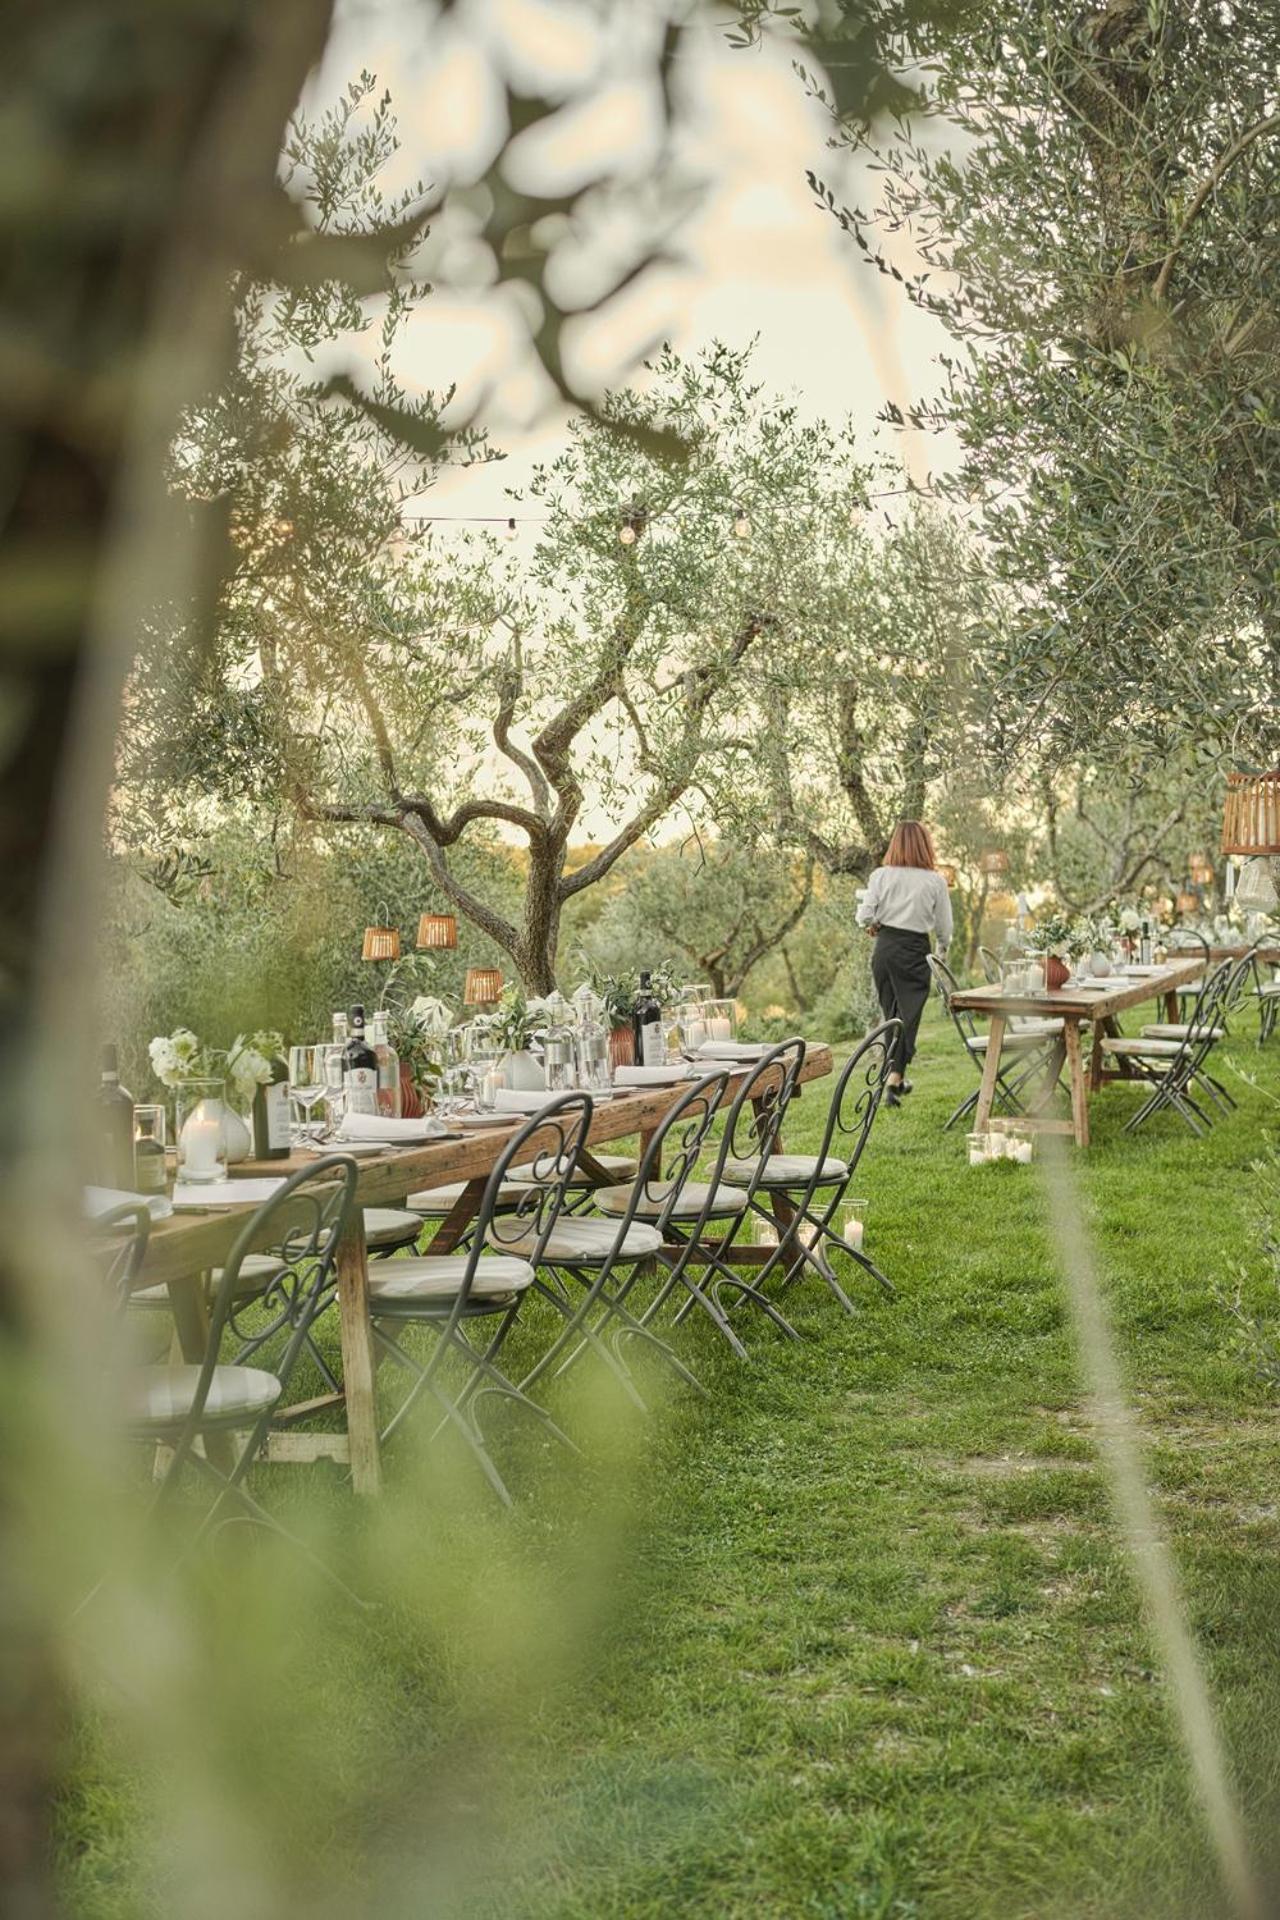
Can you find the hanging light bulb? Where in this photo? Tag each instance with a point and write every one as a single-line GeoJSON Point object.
{"type": "Point", "coordinates": [741, 525]}
{"type": "Point", "coordinates": [510, 530]}
{"type": "Point", "coordinates": [627, 534]}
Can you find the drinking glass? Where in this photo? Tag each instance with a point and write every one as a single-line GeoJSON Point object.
{"type": "Point", "coordinates": [331, 1067]}
{"type": "Point", "coordinates": [306, 1083]}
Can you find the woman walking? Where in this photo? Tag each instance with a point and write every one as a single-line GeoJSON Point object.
{"type": "Point", "coordinates": [906, 900]}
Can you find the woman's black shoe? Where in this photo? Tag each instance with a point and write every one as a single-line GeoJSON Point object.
{"type": "Point", "coordinates": [906, 1086]}
{"type": "Point", "coordinates": [893, 1096]}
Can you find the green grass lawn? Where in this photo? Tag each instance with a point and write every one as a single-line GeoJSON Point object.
{"type": "Point", "coordinates": [853, 1636]}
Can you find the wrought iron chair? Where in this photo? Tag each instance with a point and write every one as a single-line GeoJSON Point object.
{"type": "Point", "coordinates": [606, 1259]}
{"type": "Point", "coordinates": [180, 1405]}
{"type": "Point", "coordinates": [133, 1218]}
{"type": "Point", "coordinates": [1173, 1066]}
{"type": "Point", "coordinates": [1187, 943]}
{"type": "Point", "coordinates": [1233, 974]}
{"type": "Point", "coordinates": [448, 1294]}
{"type": "Point", "coordinates": [1267, 995]}
{"type": "Point", "coordinates": [808, 1190]}
{"type": "Point", "coordinates": [752, 1128]}
{"type": "Point", "coordinates": [1030, 1049]}
{"type": "Point", "coordinates": [991, 969]}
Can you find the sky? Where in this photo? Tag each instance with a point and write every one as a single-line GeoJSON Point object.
{"type": "Point", "coordinates": [754, 257]}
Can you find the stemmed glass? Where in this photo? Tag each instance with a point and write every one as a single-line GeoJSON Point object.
{"type": "Point", "coordinates": [306, 1084]}
{"type": "Point", "coordinates": [457, 1077]}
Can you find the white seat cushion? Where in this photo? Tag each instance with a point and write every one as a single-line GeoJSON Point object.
{"type": "Point", "coordinates": [1269, 990]}
{"type": "Point", "coordinates": [437, 1201]}
{"type": "Point", "coordinates": [497, 1277]}
{"type": "Point", "coordinates": [257, 1271]}
{"type": "Point", "coordinates": [1157, 1049]}
{"type": "Point", "coordinates": [1013, 1042]}
{"type": "Point", "coordinates": [1176, 1030]}
{"type": "Point", "coordinates": [689, 1205]}
{"type": "Point", "coordinates": [163, 1396]}
{"type": "Point", "coordinates": [1035, 1029]}
{"type": "Point", "coordinates": [785, 1170]}
{"type": "Point", "coordinates": [388, 1226]}
{"type": "Point", "coordinates": [622, 1166]}
{"type": "Point", "coordinates": [576, 1242]}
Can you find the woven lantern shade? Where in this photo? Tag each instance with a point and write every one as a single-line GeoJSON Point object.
{"type": "Point", "coordinates": [1251, 816]}
{"type": "Point", "coordinates": [949, 873]}
{"type": "Point", "coordinates": [1187, 902]}
{"type": "Point", "coordinates": [1201, 869]}
{"type": "Point", "coordinates": [481, 987]}
{"type": "Point", "coordinates": [381, 943]}
{"type": "Point", "coordinates": [437, 930]}
{"type": "Point", "coordinates": [994, 861]}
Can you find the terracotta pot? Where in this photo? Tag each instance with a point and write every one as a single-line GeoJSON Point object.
{"type": "Point", "coordinates": [622, 1047]}
{"type": "Point", "coordinates": [1056, 972]}
{"type": "Point", "coordinates": [411, 1106]}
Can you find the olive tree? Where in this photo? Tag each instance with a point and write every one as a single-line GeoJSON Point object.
{"type": "Point", "coordinates": [1094, 200]}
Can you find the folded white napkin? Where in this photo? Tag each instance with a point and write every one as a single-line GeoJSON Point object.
{"type": "Point", "coordinates": [508, 1100]}
{"type": "Point", "coordinates": [649, 1076]}
{"type": "Point", "coordinates": [733, 1049]}
{"type": "Point", "coordinates": [380, 1126]}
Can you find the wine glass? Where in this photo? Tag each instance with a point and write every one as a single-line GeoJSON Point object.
{"type": "Point", "coordinates": [306, 1084]}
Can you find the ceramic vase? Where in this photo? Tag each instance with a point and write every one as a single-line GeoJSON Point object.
{"type": "Point", "coordinates": [523, 1074]}
{"type": "Point", "coordinates": [622, 1047]}
{"type": "Point", "coordinates": [1056, 972]}
{"type": "Point", "coordinates": [412, 1106]}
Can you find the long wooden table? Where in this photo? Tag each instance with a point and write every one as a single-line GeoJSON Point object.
{"type": "Point", "coordinates": [1097, 1007]}
{"type": "Point", "coordinates": [183, 1248]}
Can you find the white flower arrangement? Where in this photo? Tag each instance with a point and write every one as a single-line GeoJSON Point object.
{"type": "Point", "coordinates": [1130, 920]}
{"type": "Point", "coordinates": [246, 1063]}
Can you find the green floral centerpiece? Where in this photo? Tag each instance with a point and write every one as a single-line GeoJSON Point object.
{"type": "Point", "coordinates": [1062, 942]}
{"type": "Point", "coordinates": [621, 990]}
{"type": "Point", "coordinates": [415, 1032]}
{"type": "Point", "coordinates": [511, 1026]}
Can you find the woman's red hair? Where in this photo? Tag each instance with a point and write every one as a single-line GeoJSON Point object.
{"type": "Point", "coordinates": [910, 846]}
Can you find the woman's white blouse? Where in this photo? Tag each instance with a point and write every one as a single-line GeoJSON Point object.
{"type": "Point", "coordinates": [912, 898]}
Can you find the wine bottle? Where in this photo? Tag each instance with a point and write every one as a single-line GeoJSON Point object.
{"type": "Point", "coordinates": [271, 1132]}
{"type": "Point", "coordinates": [1144, 945]}
{"type": "Point", "coordinates": [359, 1068]}
{"type": "Point", "coordinates": [113, 1127]}
{"type": "Point", "coordinates": [646, 1021]}
{"type": "Point", "coordinates": [388, 1068]}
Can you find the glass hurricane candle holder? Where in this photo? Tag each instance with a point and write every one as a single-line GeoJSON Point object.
{"type": "Point", "coordinates": [722, 1019]}
{"type": "Point", "coordinates": [200, 1113]}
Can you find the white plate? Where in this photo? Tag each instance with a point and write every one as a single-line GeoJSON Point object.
{"type": "Point", "coordinates": [486, 1119]}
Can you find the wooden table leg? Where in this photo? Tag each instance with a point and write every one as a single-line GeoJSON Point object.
{"type": "Point", "coordinates": [459, 1217]}
{"type": "Point", "coordinates": [1172, 1011]}
{"type": "Point", "coordinates": [1100, 1027]}
{"type": "Point", "coordinates": [358, 1369]}
{"type": "Point", "coordinates": [1079, 1091]}
{"type": "Point", "coordinates": [990, 1071]}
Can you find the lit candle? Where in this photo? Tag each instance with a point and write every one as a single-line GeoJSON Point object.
{"type": "Point", "coordinates": [719, 1028]}
{"type": "Point", "coordinates": [853, 1232]}
{"type": "Point", "coordinates": [201, 1145]}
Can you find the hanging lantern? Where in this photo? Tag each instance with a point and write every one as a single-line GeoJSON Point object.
{"type": "Point", "coordinates": [1201, 869]}
{"type": "Point", "coordinates": [949, 873]}
{"type": "Point", "coordinates": [1187, 901]}
{"type": "Point", "coordinates": [994, 861]}
{"type": "Point", "coordinates": [481, 986]}
{"type": "Point", "coordinates": [437, 930]}
{"type": "Point", "coordinates": [1251, 815]}
{"type": "Point", "coordinates": [381, 943]}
